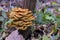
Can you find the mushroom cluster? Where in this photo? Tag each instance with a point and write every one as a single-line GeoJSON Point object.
{"type": "Point", "coordinates": [22, 18]}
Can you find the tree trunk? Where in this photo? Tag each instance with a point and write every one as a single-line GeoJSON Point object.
{"type": "Point", "coordinates": [29, 4]}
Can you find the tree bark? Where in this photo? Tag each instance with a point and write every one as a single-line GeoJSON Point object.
{"type": "Point", "coordinates": [29, 4]}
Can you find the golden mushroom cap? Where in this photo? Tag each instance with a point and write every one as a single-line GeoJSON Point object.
{"type": "Point", "coordinates": [22, 18]}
